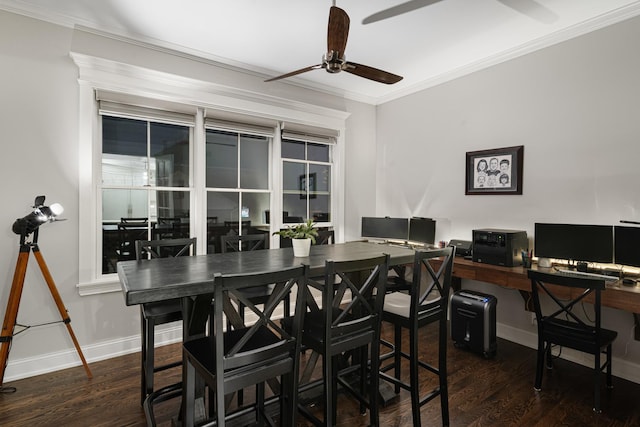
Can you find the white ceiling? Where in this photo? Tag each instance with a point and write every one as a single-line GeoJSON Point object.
{"type": "Point", "coordinates": [426, 46]}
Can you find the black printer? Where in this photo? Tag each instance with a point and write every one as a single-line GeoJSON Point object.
{"type": "Point", "coordinates": [499, 247]}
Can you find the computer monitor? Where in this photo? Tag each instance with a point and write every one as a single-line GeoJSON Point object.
{"type": "Point", "coordinates": [422, 230]}
{"type": "Point", "coordinates": [385, 228]}
{"type": "Point", "coordinates": [575, 242]}
{"type": "Point", "coordinates": [627, 245]}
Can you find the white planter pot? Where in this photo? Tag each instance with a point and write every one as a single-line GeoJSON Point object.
{"type": "Point", "coordinates": [301, 247]}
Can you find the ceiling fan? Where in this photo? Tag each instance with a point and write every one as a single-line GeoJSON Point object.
{"type": "Point", "coordinates": [527, 7]}
{"type": "Point", "coordinates": [334, 60]}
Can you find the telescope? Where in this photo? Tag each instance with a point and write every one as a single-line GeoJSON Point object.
{"type": "Point", "coordinates": [24, 227]}
{"type": "Point", "coordinates": [40, 215]}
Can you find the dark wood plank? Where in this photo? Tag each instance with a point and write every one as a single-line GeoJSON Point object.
{"type": "Point", "coordinates": [496, 392]}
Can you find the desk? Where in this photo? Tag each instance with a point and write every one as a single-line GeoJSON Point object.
{"type": "Point", "coordinates": [625, 298]}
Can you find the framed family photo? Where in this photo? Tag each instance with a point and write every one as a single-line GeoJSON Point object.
{"type": "Point", "coordinates": [496, 171]}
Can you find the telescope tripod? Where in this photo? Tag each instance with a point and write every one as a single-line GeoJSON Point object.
{"type": "Point", "coordinates": [14, 303]}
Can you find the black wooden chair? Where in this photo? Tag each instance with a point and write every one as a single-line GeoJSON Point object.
{"type": "Point", "coordinates": [249, 242]}
{"type": "Point", "coordinates": [325, 237]}
{"type": "Point", "coordinates": [347, 325]}
{"type": "Point", "coordinates": [257, 295]}
{"type": "Point", "coordinates": [158, 313]}
{"type": "Point", "coordinates": [560, 326]}
{"type": "Point", "coordinates": [426, 303]}
{"type": "Point", "coordinates": [239, 358]}
{"type": "Point", "coordinates": [130, 230]}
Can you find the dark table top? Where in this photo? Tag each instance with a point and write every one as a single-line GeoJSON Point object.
{"type": "Point", "coordinates": [167, 278]}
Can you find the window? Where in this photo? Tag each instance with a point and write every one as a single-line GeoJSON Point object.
{"type": "Point", "coordinates": [188, 181]}
{"type": "Point", "coordinates": [306, 181]}
{"type": "Point", "coordinates": [145, 185]}
{"type": "Point", "coordinates": [238, 186]}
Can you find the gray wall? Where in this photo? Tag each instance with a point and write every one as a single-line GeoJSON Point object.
{"type": "Point", "coordinates": [574, 106]}
{"type": "Point", "coordinates": [39, 109]}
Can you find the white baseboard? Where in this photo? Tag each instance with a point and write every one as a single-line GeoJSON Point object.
{"type": "Point", "coordinates": [51, 362]}
{"type": "Point", "coordinates": [620, 368]}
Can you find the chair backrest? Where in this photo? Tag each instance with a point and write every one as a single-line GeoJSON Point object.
{"type": "Point", "coordinates": [165, 248]}
{"type": "Point", "coordinates": [234, 226]}
{"type": "Point", "coordinates": [249, 343]}
{"type": "Point", "coordinates": [246, 242]}
{"type": "Point", "coordinates": [325, 237]}
{"type": "Point", "coordinates": [431, 287]}
{"type": "Point", "coordinates": [130, 230]}
{"type": "Point", "coordinates": [366, 280]}
{"type": "Point", "coordinates": [565, 292]}
{"type": "Point", "coordinates": [134, 221]}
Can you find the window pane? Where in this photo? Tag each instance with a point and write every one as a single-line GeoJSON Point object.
{"type": "Point", "coordinates": [294, 208]}
{"type": "Point", "coordinates": [254, 208]}
{"type": "Point", "coordinates": [221, 208]}
{"type": "Point", "coordinates": [124, 151]}
{"type": "Point", "coordinates": [222, 159]}
{"type": "Point", "coordinates": [169, 155]}
{"type": "Point", "coordinates": [293, 149]}
{"type": "Point", "coordinates": [254, 162]}
{"type": "Point", "coordinates": [322, 181]}
{"type": "Point", "coordinates": [124, 136]}
{"type": "Point", "coordinates": [318, 152]}
{"type": "Point", "coordinates": [293, 176]}
{"type": "Point", "coordinates": [124, 220]}
{"type": "Point", "coordinates": [320, 208]}
{"type": "Point", "coordinates": [320, 192]}
{"type": "Point", "coordinates": [172, 215]}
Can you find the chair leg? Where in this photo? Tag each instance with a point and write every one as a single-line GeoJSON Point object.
{"type": "Point", "coordinates": [330, 389]}
{"type": "Point", "coordinates": [374, 387]}
{"type": "Point", "coordinates": [539, 364]}
{"type": "Point", "coordinates": [190, 395]}
{"type": "Point", "coordinates": [397, 356]}
{"type": "Point", "coordinates": [363, 377]}
{"type": "Point", "coordinates": [596, 382]}
{"type": "Point", "coordinates": [148, 355]}
{"type": "Point", "coordinates": [260, 412]}
{"type": "Point", "coordinates": [442, 371]}
{"type": "Point", "coordinates": [549, 357]}
{"type": "Point", "coordinates": [143, 359]}
{"type": "Point", "coordinates": [241, 314]}
{"type": "Point", "coordinates": [609, 376]}
{"type": "Point", "coordinates": [414, 375]}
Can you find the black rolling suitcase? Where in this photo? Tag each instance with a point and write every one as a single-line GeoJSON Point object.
{"type": "Point", "coordinates": [473, 322]}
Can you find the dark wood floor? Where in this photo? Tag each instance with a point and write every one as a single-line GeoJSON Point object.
{"type": "Point", "coordinates": [496, 392]}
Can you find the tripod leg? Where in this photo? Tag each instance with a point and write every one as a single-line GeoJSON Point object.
{"type": "Point", "coordinates": [61, 308]}
{"type": "Point", "coordinates": [12, 307]}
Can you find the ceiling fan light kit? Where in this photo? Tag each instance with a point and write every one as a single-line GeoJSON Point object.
{"type": "Point", "coordinates": [335, 61]}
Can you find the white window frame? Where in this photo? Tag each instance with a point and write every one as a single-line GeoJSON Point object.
{"type": "Point", "coordinates": [97, 73]}
{"type": "Point", "coordinates": [320, 141]}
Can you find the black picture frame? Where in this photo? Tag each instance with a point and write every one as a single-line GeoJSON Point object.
{"type": "Point", "coordinates": [311, 191]}
{"type": "Point", "coordinates": [495, 171]}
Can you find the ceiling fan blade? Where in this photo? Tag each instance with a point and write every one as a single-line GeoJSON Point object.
{"type": "Point", "coordinates": [338, 31]}
{"type": "Point", "coordinates": [293, 73]}
{"type": "Point", "coordinates": [371, 73]}
{"type": "Point", "coordinates": [398, 10]}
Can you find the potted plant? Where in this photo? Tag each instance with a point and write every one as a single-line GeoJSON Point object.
{"type": "Point", "coordinates": [301, 236]}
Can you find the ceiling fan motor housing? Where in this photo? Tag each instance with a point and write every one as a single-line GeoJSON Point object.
{"type": "Point", "coordinates": [333, 62]}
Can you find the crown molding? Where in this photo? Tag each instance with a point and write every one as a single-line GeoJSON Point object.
{"type": "Point", "coordinates": [599, 22]}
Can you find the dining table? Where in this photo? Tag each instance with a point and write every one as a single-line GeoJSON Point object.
{"type": "Point", "coordinates": [191, 278]}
